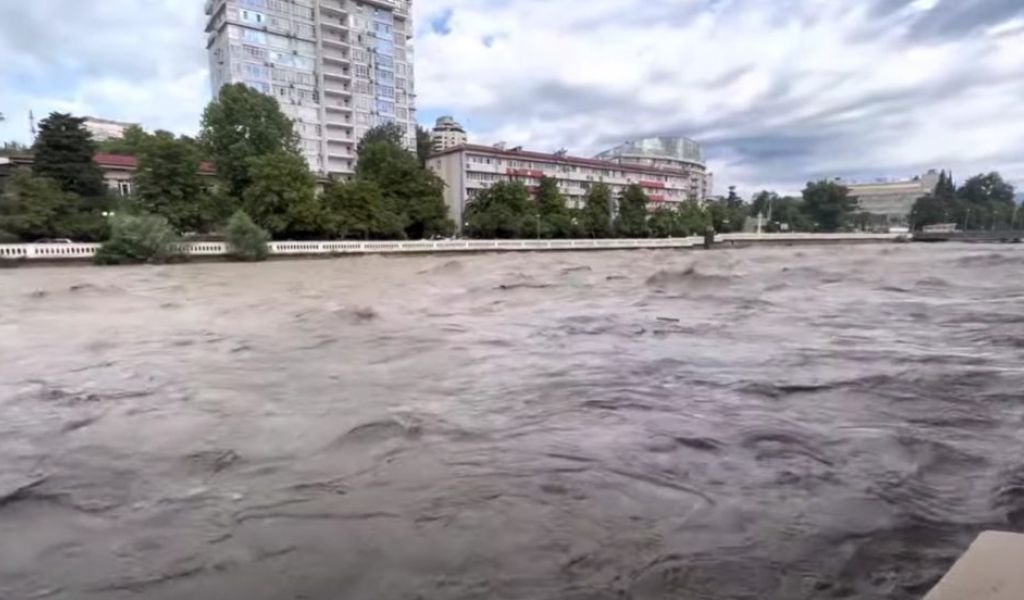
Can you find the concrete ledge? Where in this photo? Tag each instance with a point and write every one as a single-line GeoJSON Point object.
{"type": "Point", "coordinates": [992, 569]}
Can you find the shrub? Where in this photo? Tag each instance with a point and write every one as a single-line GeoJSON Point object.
{"type": "Point", "coordinates": [142, 238]}
{"type": "Point", "coordinates": [246, 239]}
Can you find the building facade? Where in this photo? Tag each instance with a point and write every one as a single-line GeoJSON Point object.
{"type": "Point", "coordinates": [105, 129]}
{"type": "Point", "coordinates": [676, 154]}
{"type": "Point", "coordinates": [469, 169]}
{"type": "Point", "coordinates": [337, 67]}
{"type": "Point", "coordinates": [447, 133]}
{"type": "Point", "coordinates": [890, 202]}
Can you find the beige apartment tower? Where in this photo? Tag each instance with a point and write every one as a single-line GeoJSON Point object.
{"type": "Point", "coordinates": [337, 67]}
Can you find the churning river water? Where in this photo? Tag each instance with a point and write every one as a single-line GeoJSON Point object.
{"type": "Point", "coordinates": [762, 423]}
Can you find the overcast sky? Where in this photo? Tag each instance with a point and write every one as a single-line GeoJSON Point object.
{"type": "Point", "coordinates": [779, 91]}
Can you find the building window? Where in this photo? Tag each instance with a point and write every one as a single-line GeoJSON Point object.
{"type": "Point", "coordinates": [124, 188]}
{"type": "Point", "coordinates": [254, 17]}
{"type": "Point", "coordinates": [255, 52]}
{"type": "Point", "coordinates": [256, 37]}
{"type": "Point", "coordinates": [384, 47]}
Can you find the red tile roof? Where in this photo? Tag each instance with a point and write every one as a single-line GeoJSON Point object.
{"type": "Point", "coordinates": [105, 159]}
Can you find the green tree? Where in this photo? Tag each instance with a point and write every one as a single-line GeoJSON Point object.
{"type": "Point", "coordinates": [631, 221]}
{"type": "Point", "coordinates": [665, 223]}
{"type": "Point", "coordinates": [556, 220]}
{"type": "Point", "coordinates": [828, 204]}
{"type": "Point", "coordinates": [35, 207]}
{"type": "Point", "coordinates": [424, 145]}
{"type": "Point", "coordinates": [392, 133]}
{"type": "Point", "coordinates": [130, 143]}
{"type": "Point", "coordinates": [281, 196]}
{"type": "Point", "coordinates": [986, 202]}
{"type": "Point", "coordinates": [788, 214]}
{"type": "Point", "coordinates": [763, 203]}
{"type": "Point", "coordinates": [242, 124]}
{"type": "Point", "coordinates": [945, 189]}
{"type": "Point", "coordinates": [501, 211]}
{"type": "Point", "coordinates": [168, 183]}
{"type": "Point", "coordinates": [410, 191]}
{"type": "Point", "coordinates": [247, 240]}
{"type": "Point", "coordinates": [357, 209]}
{"type": "Point", "coordinates": [64, 152]}
{"type": "Point", "coordinates": [596, 215]}
{"type": "Point", "coordinates": [691, 217]}
{"type": "Point", "coordinates": [932, 210]}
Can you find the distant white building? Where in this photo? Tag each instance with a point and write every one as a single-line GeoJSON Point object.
{"type": "Point", "coordinates": [447, 133]}
{"type": "Point", "coordinates": [106, 129]}
{"type": "Point", "coordinates": [890, 202]}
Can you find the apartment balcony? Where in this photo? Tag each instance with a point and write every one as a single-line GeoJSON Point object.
{"type": "Point", "coordinates": [344, 92]}
{"type": "Point", "coordinates": [340, 165]}
{"type": "Point", "coordinates": [337, 72]}
{"type": "Point", "coordinates": [333, 8]}
{"type": "Point", "coordinates": [334, 39]}
{"type": "Point", "coordinates": [342, 151]}
{"type": "Point", "coordinates": [338, 120]}
{"type": "Point", "coordinates": [337, 106]}
{"type": "Point", "coordinates": [335, 56]}
{"type": "Point", "coordinates": [341, 134]}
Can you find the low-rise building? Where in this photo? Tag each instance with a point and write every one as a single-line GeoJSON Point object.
{"type": "Point", "coordinates": [447, 133]}
{"type": "Point", "coordinates": [890, 202]}
{"type": "Point", "coordinates": [118, 169]}
{"type": "Point", "coordinates": [469, 169]}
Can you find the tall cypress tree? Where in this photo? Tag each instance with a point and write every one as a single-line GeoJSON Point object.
{"type": "Point", "coordinates": [64, 152]}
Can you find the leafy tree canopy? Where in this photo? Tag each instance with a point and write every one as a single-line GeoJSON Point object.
{"type": "Point", "coordinates": [828, 204]}
{"type": "Point", "coordinates": [243, 124]}
{"type": "Point", "coordinates": [410, 191]}
{"type": "Point", "coordinates": [281, 196]}
{"type": "Point", "coordinates": [168, 182]}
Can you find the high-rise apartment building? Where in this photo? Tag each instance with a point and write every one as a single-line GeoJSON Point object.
{"type": "Point", "coordinates": [447, 133]}
{"type": "Point", "coordinates": [337, 67]}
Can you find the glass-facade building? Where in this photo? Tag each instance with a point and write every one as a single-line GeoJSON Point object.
{"type": "Point", "coordinates": [337, 67]}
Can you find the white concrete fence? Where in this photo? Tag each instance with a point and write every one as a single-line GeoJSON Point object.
{"type": "Point", "coordinates": [59, 252]}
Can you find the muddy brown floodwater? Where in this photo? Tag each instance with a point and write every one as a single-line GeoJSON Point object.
{"type": "Point", "coordinates": [763, 423]}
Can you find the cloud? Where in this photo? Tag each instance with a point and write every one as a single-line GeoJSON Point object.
{"type": "Point", "coordinates": [779, 91]}
{"type": "Point", "coordinates": [135, 60]}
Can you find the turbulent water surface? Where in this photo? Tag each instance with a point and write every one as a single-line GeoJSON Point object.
{"type": "Point", "coordinates": [764, 423]}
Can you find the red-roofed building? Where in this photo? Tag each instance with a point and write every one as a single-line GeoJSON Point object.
{"type": "Point", "coordinates": [118, 169]}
